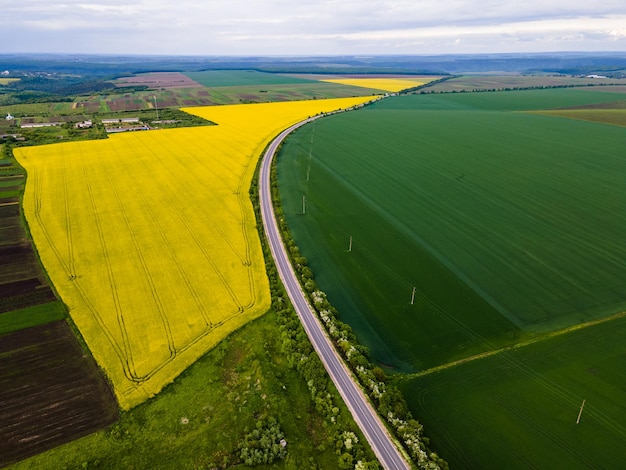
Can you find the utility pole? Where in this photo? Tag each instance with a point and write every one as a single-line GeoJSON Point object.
{"type": "Point", "coordinates": [303, 204]}
{"type": "Point", "coordinates": [413, 296]}
{"type": "Point", "coordinates": [350, 247]}
{"type": "Point", "coordinates": [155, 106]}
{"type": "Point", "coordinates": [580, 412]}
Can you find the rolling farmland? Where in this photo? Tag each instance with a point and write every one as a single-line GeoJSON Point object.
{"type": "Point", "coordinates": [219, 87]}
{"type": "Point", "coordinates": [508, 226]}
{"type": "Point", "coordinates": [150, 237]}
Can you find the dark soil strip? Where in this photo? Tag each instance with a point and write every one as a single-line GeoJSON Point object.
{"type": "Point", "coordinates": [20, 287]}
{"type": "Point", "coordinates": [11, 233]}
{"type": "Point", "coordinates": [18, 250]}
{"type": "Point", "coordinates": [29, 299]}
{"type": "Point", "coordinates": [12, 210]}
{"type": "Point", "coordinates": [51, 392]}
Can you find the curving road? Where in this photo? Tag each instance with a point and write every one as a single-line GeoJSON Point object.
{"type": "Point", "coordinates": [363, 413]}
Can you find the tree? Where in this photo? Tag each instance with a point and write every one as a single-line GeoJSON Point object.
{"type": "Point", "coordinates": [264, 444]}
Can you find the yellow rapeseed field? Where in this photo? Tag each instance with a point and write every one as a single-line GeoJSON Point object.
{"type": "Point", "coordinates": [150, 237]}
{"type": "Point", "coordinates": [386, 84]}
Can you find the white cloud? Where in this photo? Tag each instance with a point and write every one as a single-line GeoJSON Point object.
{"type": "Point", "coordinates": [310, 27]}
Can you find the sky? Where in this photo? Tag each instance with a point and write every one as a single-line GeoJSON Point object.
{"type": "Point", "coordinates": [311, 27]}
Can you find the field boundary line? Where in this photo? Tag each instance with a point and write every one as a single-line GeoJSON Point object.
{"type": "Point", "coordinates": [522, 344]}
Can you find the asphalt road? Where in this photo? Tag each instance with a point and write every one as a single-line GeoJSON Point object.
{"type": "Point", "coordinates": [363, 413]}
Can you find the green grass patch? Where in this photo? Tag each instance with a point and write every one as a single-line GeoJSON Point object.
{"type": "Point", "coordinates": [28, 109]}
{"type": "Point", "coordinates": [31, 316]}
{"type": "Point", "coordinates": [519, 409]}
{"type": "Point", "coordinates": [13, 193]}
{"type": "Point", "coordinates": [220, 78]}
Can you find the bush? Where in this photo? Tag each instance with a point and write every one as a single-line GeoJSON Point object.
{"type": "Point", "coordinates": [263, 445]}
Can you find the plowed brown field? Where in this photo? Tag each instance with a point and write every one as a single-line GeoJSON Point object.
{"type": "Point", "coordinates": [51, 392]}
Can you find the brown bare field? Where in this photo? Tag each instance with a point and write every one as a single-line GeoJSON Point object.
{"type": "Point", "coordinates": [88, 106]}
{"type": "Point", "coordinates": [159, 80]}
{"type": "Point", "coordinates": [22, 283]}
{"type": "Point", "coordinates": [127, 104]}
{"type": "Point", "coordinates": [51, 392]}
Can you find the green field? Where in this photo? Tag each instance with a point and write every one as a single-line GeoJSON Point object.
{"type": "Point", "coordinates": [519, 409]}
{"type": "Point", "coordinates": [509, 225]}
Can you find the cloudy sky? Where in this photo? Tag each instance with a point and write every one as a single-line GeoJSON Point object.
{"type": "Point", "coordinates": [310, 27]}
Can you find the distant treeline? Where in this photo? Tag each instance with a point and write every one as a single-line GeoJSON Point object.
{"type": "Point", "coordinates": [61, 85]}
{"type": "Point", "coordinates": [332, 70]}
{"type": "Point", "coordinates": [38, 89]}
{"type": "Point", "coordinates": [107, 67]}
